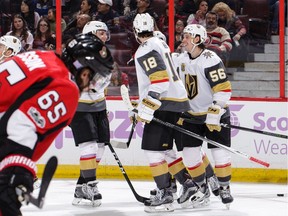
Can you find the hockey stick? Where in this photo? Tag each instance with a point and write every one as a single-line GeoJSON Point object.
{"type": "Point", "coordinates": [137, 196]}
{"type": "Point", "coordinates": [123, 145]}
{"type": "Point", "coordinates": [48, 173]}
{"type": "Point", "coordinates": [245, 129]}
{"type": "Point", "coordinates": [128, 104]}
{"type": "Point", "coordinates": [255, 131]}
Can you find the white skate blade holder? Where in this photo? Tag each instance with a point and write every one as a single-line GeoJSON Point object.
{"type": "Point", "coordinates": [194, 201]}
{"type": "Point", "coordinates": [162, 208]}
{"type": "Point", "coordinates": [85, 202]}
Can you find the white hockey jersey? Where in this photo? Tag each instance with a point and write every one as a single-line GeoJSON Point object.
{"type": "Point", "coordinates": [156, 72]}
{"type": "Point", "coordinates": [204, 78]}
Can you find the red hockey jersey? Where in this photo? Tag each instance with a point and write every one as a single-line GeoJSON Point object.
{"type": "Point", "coordinates": [37, 99]}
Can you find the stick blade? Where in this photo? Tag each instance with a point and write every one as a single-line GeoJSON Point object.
{"type": "Point", "coordinates": [118, 144]}
{"type": "Point", "coordinates": [48, 173]}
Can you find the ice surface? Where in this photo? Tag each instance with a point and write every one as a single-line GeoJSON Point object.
{"type": "Point", "coordinates": [118, 200]}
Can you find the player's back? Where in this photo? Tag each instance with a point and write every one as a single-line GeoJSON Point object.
{"type": "Point", "coordinates": [174, 97]}
{"type": "Point", "coordinates": [20, 72]}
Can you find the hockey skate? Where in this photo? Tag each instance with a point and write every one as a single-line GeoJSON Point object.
{"type": "Point", "coordinates": [87, 194]}
{"type": "Point", "coordinates": [205, 200]}
{"type": "Point", "coordinates": [172, 188]}
{"type": "Point", "coordinates": [190, 194]}
{"type": "Point", "coordinates": [161, 202]}
{"type": "Point", "coordinates": [225, 196]}
{"type": "Point", "coordinates": [214, 185]}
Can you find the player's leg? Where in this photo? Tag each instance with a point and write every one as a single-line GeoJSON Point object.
{"type": "Point", "coordinates": [211, 179]}
{"type": "Point", "coordinates": [85, 136]}
{"type": "Point", "coordinates": [222, 160]}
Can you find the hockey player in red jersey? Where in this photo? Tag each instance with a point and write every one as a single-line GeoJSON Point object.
{"type": "Point", "coordinates": [38, 99]}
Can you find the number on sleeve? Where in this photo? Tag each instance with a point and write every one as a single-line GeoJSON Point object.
{"type": "Point", "coordinates": [217, 75]}
{"type": "Point", "coordinates": [47, 100]}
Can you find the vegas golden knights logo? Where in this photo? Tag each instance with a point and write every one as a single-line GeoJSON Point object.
{"type": "Point", "coordinates": [191, 86]}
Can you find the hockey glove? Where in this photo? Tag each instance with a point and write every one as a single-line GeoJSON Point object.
{"type": "Point", "coordinates": [213, 117]}
{"type": "Point", "coordinates": [147, 108]}
{"type": "Point", "coordinates": [132, 115]}
{"type": "Point", "coordinates": [16, 179]}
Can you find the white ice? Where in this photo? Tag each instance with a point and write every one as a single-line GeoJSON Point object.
{"type": "Point", "coordinates": [249, 200]}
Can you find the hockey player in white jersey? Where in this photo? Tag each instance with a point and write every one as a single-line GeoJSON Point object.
{"type": "Point", "coordinates": [90, 126]}
{"type": "Point", "coordinates": [208, 89]}
{"type": "Point", "coordinates": [161, 94]}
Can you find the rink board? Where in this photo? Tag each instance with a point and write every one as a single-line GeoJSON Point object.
{"type": "Point", "coordinates": [258, 115]}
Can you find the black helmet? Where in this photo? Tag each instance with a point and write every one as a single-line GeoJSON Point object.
{"type": "Point", "coordinates": [87, 50]}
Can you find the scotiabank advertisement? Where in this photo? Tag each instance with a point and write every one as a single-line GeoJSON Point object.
{"type": "Point", "coordinates": [261, 116]}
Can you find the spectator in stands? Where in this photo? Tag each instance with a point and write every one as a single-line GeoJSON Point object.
{"type": "Point", "coordinates": [183, 8]}
{"type": "Point", "coordinates": [129, 5]}
{"type": "Point", "coordinates": [86, 7]}
{"type": "Point", "coordinates": [118, 77]}
{"type": "Point", "coordinates": [42, 7]}
{"type": "Point", "coordinates": [106, 14]}
{"type": "Point", "coordinates": [164, 21]}
{"type": "Point", "coordinates": [231, 3]}
{"type": "Point", "coordinates": [52, 20]}
{"type": "Point", "coordinates": [21, 31]}
{"type": "Point", "coordinates": [29, 14]}
{"type": "Point", "coordinates": [199, 16]}
{"type": "Point", "coordinates": [44, 39]}
{"type": "Point", "coordinates": [179, 27]}
{"type": "Point", "coordinates": [274, 8]}
{"type": "Point", "coordinates": [219, 39]}
{"type": "Point", "coordinates": [70, 32]}
{"type": "Point", "coordinates": [143, 6]}
{"type": "Point", "coordinates": [231, 22]}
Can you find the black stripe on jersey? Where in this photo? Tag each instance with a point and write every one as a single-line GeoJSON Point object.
{"type": "Point", "coordinates": [151, 62]}
{"type": "Point", "coordinates": [7, 148]}
{"type": "Point", "coordinates": [29, 93]}
{"type": "Point", "coordinates": [216, 74]}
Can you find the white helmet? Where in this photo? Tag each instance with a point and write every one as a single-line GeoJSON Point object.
{"type": "Point", "coordinates": [160, 35]}
{"type": "Point", "coordinates": [94, 26]}
{"type": "Point", "coordinates": [11, 42]}
{"type": "Point", "coordinates": [195, 29]}
{"type": "Point", "coordinates": [143, 23]}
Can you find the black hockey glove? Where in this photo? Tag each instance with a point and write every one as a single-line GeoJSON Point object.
{"type": "Point", "coordinates": [16, 179]}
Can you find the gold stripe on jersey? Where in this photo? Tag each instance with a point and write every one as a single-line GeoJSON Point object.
{"type": "Point", "coordinates": [174, 99]}
{"type": "Point", "coordinates": [223, 171]}
{"type": "Point", "coordinates": [197, 113]}
{"type": "Point", "coordinates": [176, 167]}
{"type": "Point", "coordinates": [225, 86]}
{"type": "Point", "coordinates": [159, 169]}
{"type": "Point", "coordinates": [88, 164]}
{"type": "Point", "coordinates": [158, 76]}
{"type": "Point", "coordinates": [91, 101]}
{"type": "Point", "coordinates": [197, 170]}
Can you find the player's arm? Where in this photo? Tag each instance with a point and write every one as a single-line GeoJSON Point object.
{"type": "Point", "coordinates": [155, 69]}
{"type": "Point", "coordinates": [221, 88]}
